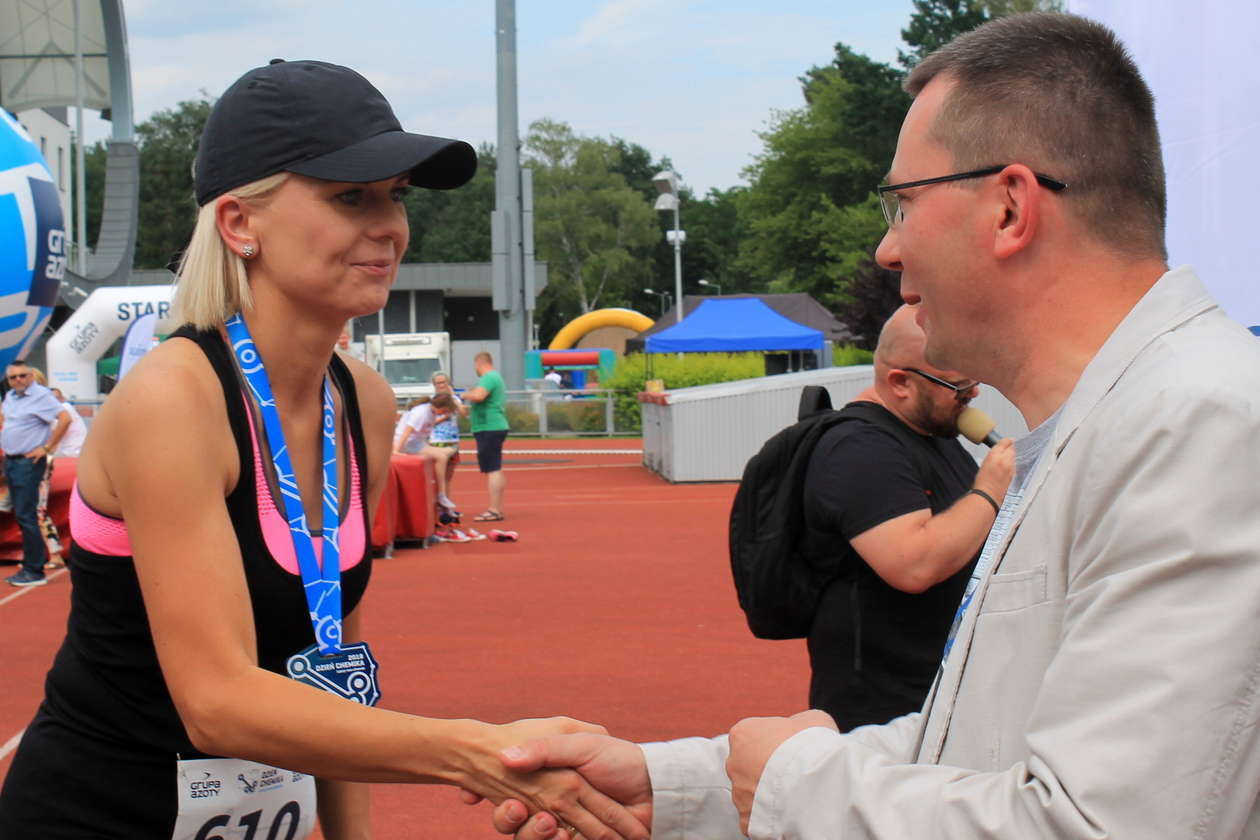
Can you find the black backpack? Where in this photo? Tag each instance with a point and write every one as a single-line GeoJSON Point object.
{"type": "Point", "coordinates": [778, 588]}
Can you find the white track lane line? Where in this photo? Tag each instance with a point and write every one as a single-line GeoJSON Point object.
{"type": "Point", "coordinates": [26, 590]}
{"type": "Point", "coordinates": [10, 745]}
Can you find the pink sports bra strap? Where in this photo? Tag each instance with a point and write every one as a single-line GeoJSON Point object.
{"type": "Point", "coordinates": [95, 531]}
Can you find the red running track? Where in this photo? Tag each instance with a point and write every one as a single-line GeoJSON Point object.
{"type": "Point", "coordinates": [616, 606]}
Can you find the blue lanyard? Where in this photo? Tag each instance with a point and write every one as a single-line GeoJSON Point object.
{"type": "Point", "coordinates": [322, 585]}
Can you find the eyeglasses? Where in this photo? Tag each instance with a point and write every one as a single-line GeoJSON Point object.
{"type": "Point", "coordinates": [961, 390]}
{"type": "Point", "coordinates": [12, 377]}
{"type": "Point", "coordinates": [890, 202]}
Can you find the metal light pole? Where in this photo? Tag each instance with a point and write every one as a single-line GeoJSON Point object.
{"type": "Point", "coordinates": [511, 221]}
{"type": "Point", "coordinates": [664, 296]}
{"type": "Point", "coordinates": [80, 159]}
{"type": "Point", "coordinates": [667, 184]}
{"type": "Point", "coordinates": [717, 286]}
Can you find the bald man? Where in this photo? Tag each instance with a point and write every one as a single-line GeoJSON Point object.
{"type": "Point", "coordinates": [897, 511]}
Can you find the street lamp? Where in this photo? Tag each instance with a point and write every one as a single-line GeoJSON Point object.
{"type": "Point", "coordinates": [664, 296]}
{"type": "Point", "coordinates": [666, 183]}
{"type": "Point", "coordinates": [714, 285]}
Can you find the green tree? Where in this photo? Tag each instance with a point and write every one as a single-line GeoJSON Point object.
{"type": "Point", "coordinates": [809, 212]}
{"type": "Point", "coordinates": [937, 22]}
{"type": "Point", "coordinates": [453, 225]}
{"type": "Point", "coordinates": [94, 186]}
{"type": "Point", "coordinates": [168, 211]}
{"type": "Point", "coordinates": [591, 227]}
{"type": "Point", "coordinates": [873, 294]}
{"type": "Point", "coordinates": [715, 229]}
{"type": "Point", "coordinates": [634, 163]}
{"type": "Point", "coordinates": [998, 8]}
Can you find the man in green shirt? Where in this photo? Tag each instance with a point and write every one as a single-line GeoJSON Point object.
{"type": "Point", "coordinates": [490, 428]}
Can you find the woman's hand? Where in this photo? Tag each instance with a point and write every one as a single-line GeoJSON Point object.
{"type": "Point", "coordinates": [561, 792]}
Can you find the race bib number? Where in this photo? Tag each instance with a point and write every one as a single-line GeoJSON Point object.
{"type": "Point", "coordinates": [233, 799]}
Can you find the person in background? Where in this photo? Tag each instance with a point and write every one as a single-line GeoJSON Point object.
{"type": "Point", "coordinates": [414, 429]}
{"type": "Point", "coordinates": [345, 343]}
{"type": "Point", "coordinates": [490, 430]}
{"type": "Point", "coordinates": [47, 526]}
{"type": "Point", "coordinates": [34, 422]}
{"type": "Point", "coordinates": [895, 516]}
{"type": "Point", "coordinates": [72, 440]}
{"type": "Point", "coordinates": [443, 445]}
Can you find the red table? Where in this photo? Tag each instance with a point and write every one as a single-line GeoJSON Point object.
{"type": "Point", "coordinates": [405, 512]}
{"type": "Point", "coordinates": [58, 509]}
{"type": "Point", "coordinates": [406, 508]}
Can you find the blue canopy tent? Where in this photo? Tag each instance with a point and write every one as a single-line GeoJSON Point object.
{"type": "Point", "coordinates": [734, 326]}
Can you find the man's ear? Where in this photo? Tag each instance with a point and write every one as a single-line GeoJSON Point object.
{"type": "Point", "coordinates": [1021, 198]}
{"type": "Point", "coordinates": [232, 216]}
{"type": "Point", "coordinates": [899, 381]}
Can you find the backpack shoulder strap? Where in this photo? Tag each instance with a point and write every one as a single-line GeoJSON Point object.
{"type": "Point", "coordinates": [814, 398]}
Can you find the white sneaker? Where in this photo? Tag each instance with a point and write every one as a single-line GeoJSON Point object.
{"type": "Point", "coordinates": [445, 502]}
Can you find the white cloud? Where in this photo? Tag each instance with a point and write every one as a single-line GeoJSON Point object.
{"type": "Point", "coordinates": [615, 17]}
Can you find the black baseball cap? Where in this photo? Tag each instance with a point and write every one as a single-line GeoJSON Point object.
{"type": "Point", "coordinates": [321, 120]}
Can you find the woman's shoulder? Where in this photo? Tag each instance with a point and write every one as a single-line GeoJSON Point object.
{"type": "Point", "coordinates": [172, 405]}
{"type": "Point", "coordinates": [176, 373]}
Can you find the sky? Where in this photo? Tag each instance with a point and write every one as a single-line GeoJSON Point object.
{"type": "Point", "coordinates": [694, 80]}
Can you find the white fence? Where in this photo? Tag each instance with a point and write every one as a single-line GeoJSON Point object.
{"type": "Point", "coordinates": [708, 433]}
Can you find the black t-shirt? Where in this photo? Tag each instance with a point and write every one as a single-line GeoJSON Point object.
{"type": "Point", "coordinates": [874, 650]}
{"type": "Point", "coordinates": [99, 759]}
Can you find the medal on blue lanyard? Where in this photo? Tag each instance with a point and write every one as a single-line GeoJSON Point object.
{"type": "Point", "coordinates": [345, 670]}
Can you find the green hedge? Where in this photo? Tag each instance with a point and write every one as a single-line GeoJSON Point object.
{"type": "Point", "coordinates": [846, 355]}
{"type": "Point", "coordinates": [677, 372]}
{"type": "Point", "coordinates": [694, 369]}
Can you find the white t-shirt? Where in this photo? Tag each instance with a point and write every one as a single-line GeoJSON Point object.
{"type": "Point", "coordinates": [420, 419]}
{"type": "Point", "coordinates": [72, 441]}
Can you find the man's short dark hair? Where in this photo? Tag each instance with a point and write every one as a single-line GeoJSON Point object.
{"type": "Point", "coordinates": [1062, 95]}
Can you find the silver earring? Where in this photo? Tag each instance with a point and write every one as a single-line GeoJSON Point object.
{"type": "Point", "coordinates": [247, 251]}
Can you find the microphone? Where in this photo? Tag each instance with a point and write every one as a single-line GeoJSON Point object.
{"type": "Point", "coordinates": [978, 427]}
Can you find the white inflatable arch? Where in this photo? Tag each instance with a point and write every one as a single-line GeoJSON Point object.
{"type": "Point", "coordinates": [104, 317]}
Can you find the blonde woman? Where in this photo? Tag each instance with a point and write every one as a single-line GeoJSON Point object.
{"type": "Point", "coordinates": [213, 679]}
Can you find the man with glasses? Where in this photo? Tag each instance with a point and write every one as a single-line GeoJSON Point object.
{"type": "Point", "coordinates": [895, 513]}
{"type": "Point", "coordinates": [33, 421]}
{"type": "Point", "coordinates": [1103, 675]}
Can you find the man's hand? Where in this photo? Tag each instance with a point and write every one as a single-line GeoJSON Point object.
{"type": "Point", "coordinates": [613, 766]}
{"type": "Point", "coordinates": [997, 470]}
{"type": "Point", "coordinates": [753, 741]}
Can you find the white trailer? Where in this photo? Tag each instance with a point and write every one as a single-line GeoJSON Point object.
{"type": "Point", "coordinates": [409, 360]}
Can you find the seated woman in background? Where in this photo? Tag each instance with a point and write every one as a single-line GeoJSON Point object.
{"type": "Point", "coordinates": [443, 445]}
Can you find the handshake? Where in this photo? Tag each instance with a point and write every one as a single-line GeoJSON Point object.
{"type": "Point", "coordinates": [598, 787]}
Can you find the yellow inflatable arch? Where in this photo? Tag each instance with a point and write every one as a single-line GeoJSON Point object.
{"type": "Point", "coordinates": [573, 331]}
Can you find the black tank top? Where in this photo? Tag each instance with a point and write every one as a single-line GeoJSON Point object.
{"type": "Point", "coordinates": [105, 695]}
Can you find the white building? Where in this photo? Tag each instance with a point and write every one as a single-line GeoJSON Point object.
{"type": "Point", "coordinates": [50, 130]}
